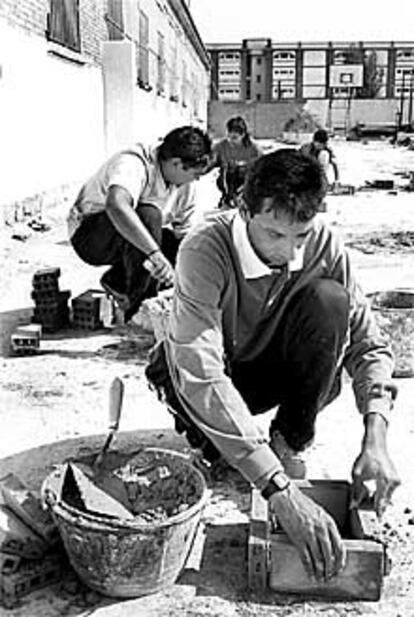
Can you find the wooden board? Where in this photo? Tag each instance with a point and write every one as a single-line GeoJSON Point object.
{"type": "Point", "coordinates": [258, 543]}
{"type": "Point", "coordinates": [360, 580]}
{"type": "Point", "coordinates": [273, 561]}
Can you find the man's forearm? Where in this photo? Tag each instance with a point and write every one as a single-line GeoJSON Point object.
{"type": "Point", "coordinates": [129, 225]}
{"type": "Point", "coordinates": [375, 430]}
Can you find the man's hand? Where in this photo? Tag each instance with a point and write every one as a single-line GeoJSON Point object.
{"type": "Point", "coordinates": [312, 530]}
{"type": "Point", "coordinates": [374, 463]}
{"type": "Point", "coordinates": [160, 268]}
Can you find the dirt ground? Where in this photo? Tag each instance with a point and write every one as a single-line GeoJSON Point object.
{"type": "Point", "coordinates": [54, 406]}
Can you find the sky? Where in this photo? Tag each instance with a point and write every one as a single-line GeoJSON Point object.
{"type": "Point", "coordinates": [220, 21]}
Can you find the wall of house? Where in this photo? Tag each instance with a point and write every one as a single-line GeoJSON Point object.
{"type": "Point", "coordinates": [63, 112]}
{"type": "Point", "coordinates": [147, 111]}
{"type": "Point", "coordinates": [51, 107]}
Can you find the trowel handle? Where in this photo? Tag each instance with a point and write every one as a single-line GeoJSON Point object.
{"type": "Point", "coordinates": [116, 395]}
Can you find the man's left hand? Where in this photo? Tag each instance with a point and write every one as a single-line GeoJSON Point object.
{"type": "Point", "coordinates": [374, 464]}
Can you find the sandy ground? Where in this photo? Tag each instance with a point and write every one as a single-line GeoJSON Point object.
{"type": "Point", "coordinates": [54, 405]}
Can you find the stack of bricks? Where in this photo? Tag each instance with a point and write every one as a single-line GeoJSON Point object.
{"type": "Point", "coordinates": [86, 310]}
{"type": "Point", "coordinates": [51, 309]}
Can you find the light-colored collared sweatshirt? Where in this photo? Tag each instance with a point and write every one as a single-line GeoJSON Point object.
{"type": "Point", "coordinates": [226, 307]}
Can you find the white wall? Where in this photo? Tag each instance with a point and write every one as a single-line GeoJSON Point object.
{"type": "Point", "coordinates": [51, 117]}
{"type": "Point", "coordinates": [153, 114]}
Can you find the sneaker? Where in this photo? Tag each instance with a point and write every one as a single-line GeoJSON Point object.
{"type": "Point", "coordinates": [120, 298]}
{"type": "Point", "coordinates": [293, 462]}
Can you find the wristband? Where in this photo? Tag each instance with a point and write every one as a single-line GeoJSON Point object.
{"type": "Point", "coordinates": [151, 253]}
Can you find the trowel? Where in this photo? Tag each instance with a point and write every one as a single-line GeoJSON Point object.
{"type": "Point", "coordinates": [116, 394]}
{"type": "Point", "coordinates": [102, 477]}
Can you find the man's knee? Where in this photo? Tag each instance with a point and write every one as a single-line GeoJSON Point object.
{"type": "Point", "coordinates": [328, 298]}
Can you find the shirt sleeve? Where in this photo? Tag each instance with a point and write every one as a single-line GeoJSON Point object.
{"type": "Point", "coordinates": [368, 357]}
{"type": "Point", "coordinates": [180, 217]}
{"type": "Point", "coordinates": [129, 172]}
{"type": "Point", "coordinates": [195, 349]}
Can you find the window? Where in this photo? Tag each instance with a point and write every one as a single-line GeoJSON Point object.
{"type": "Point", "coordinates": [258, 78]}
{"type": "Point", "coordinates": [160, 64]}
{"type": "Point", "coordinates": [63, 23]}
{"type": "Point", "coordinates": [143, 56]}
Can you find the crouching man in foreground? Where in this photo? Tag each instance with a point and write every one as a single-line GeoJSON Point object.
{"type": "Point", "coordinates": [266, 312]}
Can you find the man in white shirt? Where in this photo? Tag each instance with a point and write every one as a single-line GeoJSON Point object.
{"type": "Point", "coordinates": [138, 207]}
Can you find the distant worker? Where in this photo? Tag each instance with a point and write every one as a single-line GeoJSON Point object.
{"type": "Point", "coordinates": [233, 155]}
{"type": "Point", "coordinates": [319, 150]}
{"type": "Point", "coordinates": [135, 210]}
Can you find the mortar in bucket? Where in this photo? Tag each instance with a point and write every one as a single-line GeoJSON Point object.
{"type": "Point", "coordinates": [145, 553]}
{"type": "Point", "coordinates": [394, 312]}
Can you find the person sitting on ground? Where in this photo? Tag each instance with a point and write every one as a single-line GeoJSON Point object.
{"type": "Point", "coordinates": [266, 312]}
{"type": "Point", "coordinates": [133, 213]}
{"type": "Point", "coordinates": [232, 155]}
{"type": "Point", "coordinates": [319, 149]}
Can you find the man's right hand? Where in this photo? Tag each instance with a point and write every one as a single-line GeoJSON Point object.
{"type": "Point", "coordinates": [312, 530]}
{"type": "Point", "coordinates": [160, 268]}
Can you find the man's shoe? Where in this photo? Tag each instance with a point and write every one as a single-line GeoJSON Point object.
{"type": "Point", "coordinates": [120, 298]}
{"type": "Point", "coordinates": [293, 462]}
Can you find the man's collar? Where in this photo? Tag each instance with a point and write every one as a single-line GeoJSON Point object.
{"type": "Point", "coordinates": [252, 266]}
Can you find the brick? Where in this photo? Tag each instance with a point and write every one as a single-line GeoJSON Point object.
{"type": "Point", "coordinates": [9, 563]}
{"type": "Point", "coordinates": [27, 506]}
{"type": "Point", "coordinates": [24, 344]}
{"type": "Point", "coordinates": [17, 538]}
{"type": "Point", "coordinates": [29, 329]}
{"type": "Point", "coordinates": [46, 274]}
{"type": "Point", "coordinates": [31, 575]}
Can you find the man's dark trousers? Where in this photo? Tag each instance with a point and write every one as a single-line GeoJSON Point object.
{"type": "Point", "coordinates": [300, 370]}
{"type": "Point", "coordinates": [98, 243]}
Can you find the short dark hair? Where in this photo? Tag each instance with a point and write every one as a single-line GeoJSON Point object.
{"type": "Point", "coordinates": [189, 143]}
{"type": "Point", "coordinates": [237, 124]}
{"type": "Point", "coordinates": [321, 136]}
{"type": "Point", "coordinates": [292, 181]}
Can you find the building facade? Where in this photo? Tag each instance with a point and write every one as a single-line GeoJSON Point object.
{"type": "Point", "coordinates": [341, 82]}
{"type": "Point", "coordinates": [81, 78]}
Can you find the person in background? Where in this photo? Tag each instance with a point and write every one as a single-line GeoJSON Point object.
{"type": "Point", "coordinates": [267, 313]}
{"type": "Point", "coordinates": [233, 155]}
{"type": "Point", "coordinates": [134, 211]}
{"type": "Point", "coordinates": [319, 150]}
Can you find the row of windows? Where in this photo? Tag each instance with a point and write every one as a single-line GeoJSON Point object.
{"type": "Point", "coordinates": [235, 73]}
{"type": "Point", "coordinates": [277, 72]}
{"type": "Point", "coordinates": [284, 55]}
{"type": "Point", "coordinates": [229, 56]}
{"type": "Point", "coordinates": [182, 85]}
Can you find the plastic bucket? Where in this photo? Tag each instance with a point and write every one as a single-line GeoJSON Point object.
{"type": "Point", "coordinates": [394, 312]}
{"type": "Point", "coordinates": [124, 558]}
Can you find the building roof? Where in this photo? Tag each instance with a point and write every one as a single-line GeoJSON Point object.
{"type": "Point", "coordinates": [183, 15]}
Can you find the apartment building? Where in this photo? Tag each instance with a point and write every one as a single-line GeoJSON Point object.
{"type": "Point", "coordinates": [82, 78]}
{"type": "Point", "coordinates": [342, 83]}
